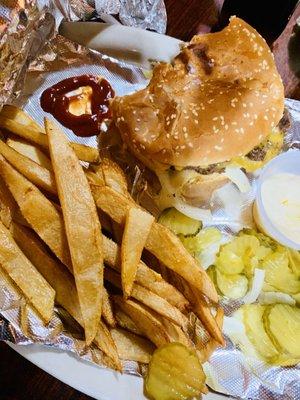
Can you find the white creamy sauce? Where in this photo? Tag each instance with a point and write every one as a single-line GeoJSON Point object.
{"type": "Point", "coordinates": [281, 199]}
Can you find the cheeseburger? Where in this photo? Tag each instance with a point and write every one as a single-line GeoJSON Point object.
{"type": "Point", "coordinates": [218, 104]}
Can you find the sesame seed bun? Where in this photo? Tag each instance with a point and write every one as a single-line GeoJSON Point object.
{"type": "Point", "coordinates": [219, 99]}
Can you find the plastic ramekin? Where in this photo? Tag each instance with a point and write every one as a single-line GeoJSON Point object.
{"type": "Point", "coordinates": [288, 162]}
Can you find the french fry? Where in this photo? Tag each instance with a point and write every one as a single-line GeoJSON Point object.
{"type": "Point", "coordinates": [117, 231]}
{"type": "Point", "coordinates": [107, 311]}
{"type": "Point", "coordinates": [105, 342]}
{"type": "Point", "coordinates": [200, 308]}
{"type": "Point", "coordinates": [113, 175]}
{"type": "Point", "coordinates": [41, 214]}
{"type": "Point", "coordinates": [149, 299]}
{"type": "Point", "coordinates": [175, 333]}
{"type": "Point", "coordinates": [37, 174]}
{"type": "Point", "coordinates": [55, 273]}
{"type": "Point", "coordinates": [34, 287]}
{"type": "Point", "coordinates": [125, 322]}
{"type": "Point", "coordinates": [82, 225]}
{"type": "Point", "coordinates": [61, 280]}
{"type": "Point", "coordinates": [131, 346]}
{"type": "Point", "coordinates": [145, 319]}
{"type": "Point", "coordinates": [205, 351]}
{"type": "Point", "coordinates": [30, 150]}
{"type": "Point", "coordinates": [161, 242]}
{"type": "Point", "coordinates": [37, 136]}
{"type": "Point", "coordinates": [17, 114]}
{"type": "Point", "coordinates": [94, 178]}
{"type": "Point", "coordinates": [137, 227]}
{"type": "Point", "coordinates": [145, 276]}
{"type": "Point", "coordinates": [8, 206]}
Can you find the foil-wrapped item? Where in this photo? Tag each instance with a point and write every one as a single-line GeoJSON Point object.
{"type": "Point", "coordinates": [46, 59]}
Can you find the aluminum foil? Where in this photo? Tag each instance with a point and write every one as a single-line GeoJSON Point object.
{"type": "Point", "coordinates": [145, 14]}
{"type": "Point", "coordinates": [46, 59]}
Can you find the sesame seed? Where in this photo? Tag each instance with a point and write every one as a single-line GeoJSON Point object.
{"type": "Point", "coordinates": [122, 119]}
{"type": "Point", "coordinates": [136, 129]}
{"type": "Point", "coordinates": [184, 129]}
{"type": "Point", "coordinates": [218, 148]}
{"type": "Point", "coordinates": [185, 135]}
{"type": "Point", "coordinates": [167, 135]}
{"type": "Point", "coordinates": [244, 105]}
{"type": "Point", "coordinates": [196, 121]}
{"type": "Point", "coordinates": [266, 118]}
{"type": "Point", "coordinates": [233, 123]}
{"type": "Point", "coordinates": [251, 123]}
{"type": "Point", "coordinates": [215, 118]}
{"type": "Point", "coordinates": [190, 145]}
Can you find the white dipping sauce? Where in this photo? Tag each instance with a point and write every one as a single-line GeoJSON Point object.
{"type": "Point", "coordinates": [280, 196]}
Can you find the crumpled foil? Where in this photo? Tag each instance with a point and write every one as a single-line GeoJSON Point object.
{"type": "Point", "coordinates": [46, 59]}
{"type": "Point", "coordinates": [145, 14]}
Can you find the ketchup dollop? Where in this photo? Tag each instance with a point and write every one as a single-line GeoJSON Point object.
{"type": "Point", "coordinates": [55, 101]}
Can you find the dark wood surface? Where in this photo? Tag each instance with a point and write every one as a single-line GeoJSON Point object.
{"type": "Point", "coordinates": [19, 379]}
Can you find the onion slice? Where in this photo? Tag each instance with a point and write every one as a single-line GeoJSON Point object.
{"type": "Point", "coordinates": [276, 297]}
{"type": "Point", "coordinates": [239, 178]}
{"type": "Point", "coordinates": [256, 288]}
{"type": "Point", "coordinates": [199, 214]}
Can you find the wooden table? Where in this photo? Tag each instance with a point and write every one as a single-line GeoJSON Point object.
{"type": "Point", "coordinates": [19, 379]}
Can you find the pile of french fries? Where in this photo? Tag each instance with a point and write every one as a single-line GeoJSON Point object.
{"type": "Point", "coordinates": [72, 235]}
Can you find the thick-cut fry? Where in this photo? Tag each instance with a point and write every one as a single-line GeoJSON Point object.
{"type": "Point", "coordinates": [200, 308]}
{"type": "Point", "coordinates": [41, 214]}
{"type": "Point", "coordinates": [161, 242]}
{"type": "Point", "coordinates": [35, 288]}
{"type": "Point", "coordinates": [62, 282]}
{"type": "Point", "coordinates": [131, 346]}
{"type": "Point", "coordinates": [82, 225]}
{"type": "Point", "coordinates": [105, 342]}
{"type": "Point", "coordinates": [113, 176]}
{"type": "Point", "coordinates": [137, 227]}
{"type": "Point", "coordinates": [145, 319]}
{"type": "Point", "coordinates": [33, 135]}
{"type": "Point", "coordinates": [38, 175]}
{"type": "Point", "coordinates": [107, 311]}
{"type": "Point", "coordinates": [30, 150]}
{"type": "Point", "coordinates": [124, 321]}
{"type": "Point", "coordinates": [17, 114]}
{"type": "Point", "coordinates": [149, 299]}
{"type": "Point", "coordinates": [8, 206]}
{"type": "Point", "coordinates": [55, 273]}
{"type": "Point", "coordinates": [145, 276]}
{"type": "Point", "coordinates": [93, 178]}
{"type": "Point", "coordinates": [205, 351]}
{"type": "Point", "coordinates": [117, 232]}
{"type": "Point", "coordinates": [175, 333]}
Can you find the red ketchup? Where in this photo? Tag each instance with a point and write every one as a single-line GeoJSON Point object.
{"type": "Point", "coordinates": [55, 101]}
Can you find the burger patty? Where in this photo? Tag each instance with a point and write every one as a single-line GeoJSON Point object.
{"type": "Point", "coordinates": [257, 154]}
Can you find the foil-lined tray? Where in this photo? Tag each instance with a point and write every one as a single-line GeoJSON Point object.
{"type": "Point", "coordinates": [46, 59]}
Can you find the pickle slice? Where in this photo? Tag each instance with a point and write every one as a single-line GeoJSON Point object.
{"type": "Point", "coordinates": [175, 373]}
{"type": "Point", "coordinates": [294, 258]}
{"type": "Point", "coordinates": [232, 286]}
{"type": "Point", "coordinates": [199, 242]}
{"type": "Point", "coordinates": [282, 323]}
{"type": "Point", "coordinates": [279, 275]}
{"type": "Point", "coordinates": [253, 321]}
{"type": "Point", "coordinates": [179, 223]}
{"type": "Point", "coordinates": [239, 254]}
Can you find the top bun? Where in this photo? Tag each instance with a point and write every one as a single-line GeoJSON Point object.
{"type": "Point", "coordinates": [221, 97]}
